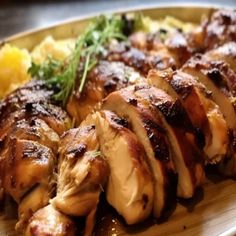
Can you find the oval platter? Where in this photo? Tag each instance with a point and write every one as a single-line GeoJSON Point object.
{"type": "Point", "coordinates": [211, 212]}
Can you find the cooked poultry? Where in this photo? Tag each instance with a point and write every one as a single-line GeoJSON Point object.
{"type": "Point", "coordinates": [50, 222]}
{"type": "Point", "coordinates": [203, 112]}
{"type": "Point", "coordinates": [130, 188]}
{"type": "Point", "coordinates": [138, 141]}
{"type": "Point", "coordinates": [187, 158]}
{"type": "Point", "coordinates": [29, 137]}
{"type": "Point", "coordinates": [105, 78]}
{"type": "Point", "coordinates": [141, 60]}
{"type": "Point", "coordinates": [215, 31]}
{"type": "Point", "coordinates": [152, 135]}
{"type": "Point", "coordinates": [226, 54]}
{"type": "Point", "coordinates": [82, 174]}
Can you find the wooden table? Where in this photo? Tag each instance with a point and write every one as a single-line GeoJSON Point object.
{"type": "Point", "coordinates": [18, 17]}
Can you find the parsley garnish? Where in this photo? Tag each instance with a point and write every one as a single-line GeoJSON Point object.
{"type": "Point", "coordinates": [88, 48]}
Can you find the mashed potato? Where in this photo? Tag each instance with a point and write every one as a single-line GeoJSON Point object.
{"type": "Point", "coordinates": [14, 64]}
{"type": "Point", "coordinates": [58, 50]}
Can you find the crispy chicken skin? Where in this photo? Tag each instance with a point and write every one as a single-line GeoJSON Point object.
{"type": "Point", "coordinates": [175, 46]}
{"type": "Point", "coordinates": [204, 113]}
{"type": "Point", "coordinates": [130, 187]}
{"type": "Point", "coordinates": [187, 158]}
{"type": "Point", "coordinates": [149, 130]}
{"type": "Point", "coordinates": [215, 31]}
{"type": "Point", "coordinates": [50, 222]}
{"type": "Point", "coordinates": [29, 132]}
{"type": "Point", "coordinates": [105, 78]}
{"type": "Point", "coordinates": [142, 61]}
{"type": "Point", "coordinates": [227, 54]}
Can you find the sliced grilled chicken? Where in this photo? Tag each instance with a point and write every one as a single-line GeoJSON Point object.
{"type": "Point", "coordinates": [220, 80]}
{"type": "Point", "coordinates": [215, 31]}
{"type": "Point", "coordinates": [82, 172]}
{"type": "Point", "coordinates": [149, 131]}
{"type": "Point", "coordinates": [227, 54]}
{"type": "Point", "coordinates": [141, 60]}
{"type": "Point", "coordinates": [105, 78]}
{"type": "Point", "coordinates": [50, 222]}
{"type": "Point", "coordinates": [186, 156]}
{"type": "Point", "coordinates": [29, 131]}
{"type": "Point", "coordinates": [203, 112]}
{"type": "Point", "coordinates": [215, 76]}
{"type": "Point", "coordinates": [28, 166]}
{"type": "Point", "coordinates": [130, 187]}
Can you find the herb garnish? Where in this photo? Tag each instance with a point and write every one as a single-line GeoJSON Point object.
{"type": "Point", "coordinates": [89, 46]}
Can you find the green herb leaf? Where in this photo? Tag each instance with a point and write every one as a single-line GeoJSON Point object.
{"type": "Point", "coordinates": [89, 47]}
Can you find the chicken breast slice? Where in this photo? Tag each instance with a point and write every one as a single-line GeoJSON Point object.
{"type": "Point", "coordinates": [149, 131]}
{"type": "Point", "coordinates": [203, 112]}
{"type": "Point", "coordinates": [187, 158]}
{"type": "Point", "coordinates": [130, 185]}
{"type": "Point", "coordinates": [82, 172]}
{"type": "Point", "coordinates": [105, 78]}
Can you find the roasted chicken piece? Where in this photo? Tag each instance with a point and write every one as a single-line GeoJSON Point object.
{"type": "Point", "coordinates": [82, 172]}
{"type": "Point", "coordinates": [50, 222]}
{"type": "Point", "coordinates": [215, 31]}
{"type": "Point", "coordinates": [150, 132]}
{"type": "Point", "coordinates": [141, 60]}
{"type": "Point", "coordinates": [29, 131]}
{"type": "Point", "coordinates": [105, 78]}
{"type": "Point", "coordinates": [202, 110]}
{"type": "Point", "coordinates": [220, 80]}
{"type": "Point", "coordinates": [187, 157]}
{"type": "Point", "coordinates": [175, 45]}
{"type": "Point", "coordinates": [130, 188]}
{"type": "Point", "coordinates": [27, 166]}
{"type": "Point", "coordinates": [227, 54]}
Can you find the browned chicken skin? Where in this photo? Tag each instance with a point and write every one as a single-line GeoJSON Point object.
{"type": "Point", "coordinates": [152, 135]}
{"type": "Point", "coordinates": [105, 78]}
{"type": "Point", "coordinates": [31, 126]}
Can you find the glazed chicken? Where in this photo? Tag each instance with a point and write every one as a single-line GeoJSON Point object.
{"type": "Point", "coordinates": [82, 173]}
{"type": "Point", "coordinates": [205, 115]}
{"type": "Point", "coordinates": [152, 135]}
{"type": "Point", "coordinates": [29, 143]}
{"type": "Point", "coordinates": [214, 31]}
{"type": "Point", "coordinates": [105, 78]}
{"type": "Point", "coordinates": [152, 114]}
{"type": "Point", "coordinates": [187, 157]}
{"type": "Point", "coordinates": [130, 188]}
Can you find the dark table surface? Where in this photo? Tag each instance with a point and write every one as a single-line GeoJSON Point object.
{"type": "Point", "coordinates": [17, 17]}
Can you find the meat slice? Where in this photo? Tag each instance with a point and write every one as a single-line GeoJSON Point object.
{"type": "Point", "coordinates": [105, 78]}
{"type": "Point", "coordinates": [27, 175]}
{"type": "Point", "coordinates": [82, 172]}
{"type": "Point", "coordinates": [130, 187]}
{"type": "Point", "coordinates": [218, 29]}
{"type": "Point", "coordinates": [186, 156]}
{"type": "Point", "coordinates": [215, 76]}
{"type": "Point", "coordinates": [149, 131]}
{"type": "Point", "coordinates": [50, 222]}
{"type": "Point", "coordinates": [226, 53]}
{"type": "Point", "coordinates": [141, 60]}
{"type": "Point", "coordinates": [205, 114]}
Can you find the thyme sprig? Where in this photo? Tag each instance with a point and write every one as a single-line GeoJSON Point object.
{"type": "Point", "coordinates": [89, 46]}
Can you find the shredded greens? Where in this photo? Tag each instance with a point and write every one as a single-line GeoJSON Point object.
{"type": "Point", "coordinates": [89, 46]}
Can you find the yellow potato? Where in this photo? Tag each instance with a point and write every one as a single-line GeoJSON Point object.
{"type": "Point", "coordinates": [14, 64]}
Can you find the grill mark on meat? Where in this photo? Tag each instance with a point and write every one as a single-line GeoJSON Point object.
{"type": "Point", "coordinates": [133, 101]}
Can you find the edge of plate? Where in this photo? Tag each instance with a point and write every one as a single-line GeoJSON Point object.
{"type": "Point", "coordinates": [118, 11]}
